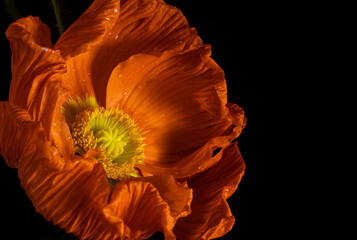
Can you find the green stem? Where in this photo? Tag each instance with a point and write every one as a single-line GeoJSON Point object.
{"type": "Point", "coordinates": [57, 11]}
{"type": "Point", "coordinates": [12, 10]}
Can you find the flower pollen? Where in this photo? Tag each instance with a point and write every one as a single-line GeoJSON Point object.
{"type": "Point", "coordinates": [112, 132]}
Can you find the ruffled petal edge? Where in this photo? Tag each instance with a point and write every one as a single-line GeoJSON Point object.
{"type": "Point", "coordinates": [211, 216]}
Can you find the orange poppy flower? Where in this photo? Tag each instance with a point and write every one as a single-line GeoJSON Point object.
{"type": "Point", "coordinates": [113, 129]}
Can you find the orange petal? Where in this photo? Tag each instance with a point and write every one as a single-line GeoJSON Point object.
{"type": "Point", "coordinates": [90, 28]}
{"type": "Point", "coordinates": [180, 100]}
{"type": "Point", "coordinates": [143, 26]}
{"type": "Point", "coordinates": [78, 45]}
{"type": "Point", "coordinates": [238, 117]}
{"type": "Point", "coordinates": [16, 131]}
{"type": "Point", "coordinates": [211, 216]}
{"type": "Point", "coordinates": [147, 205]}
{"type": "Point", "coordinates": [71, 193]}
{"type": "Point", "coordinates": [46, 109]}
{"type": "Point", "coordinates": [33, 62]}
{"type": "Point", "coordinates": [177, 195]}
{"type": "Point", "coordinates": [72, 197]}
{"type": "Point", "coordinates": [142, 208]}
{"type": "Point", "coordinates": [36, 70]}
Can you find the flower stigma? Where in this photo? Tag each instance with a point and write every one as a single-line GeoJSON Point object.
{"type": "Point", "coordinates": [110, 131]}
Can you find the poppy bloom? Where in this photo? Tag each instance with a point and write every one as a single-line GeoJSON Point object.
{"type": "Point", "coordinates": [122, 128]}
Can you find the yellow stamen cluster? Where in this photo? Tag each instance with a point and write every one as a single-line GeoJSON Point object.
{"type": "Point", "coordinates": [114, 134]}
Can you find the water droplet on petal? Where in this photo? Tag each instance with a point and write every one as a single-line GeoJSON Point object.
{"type": "Point", "coordinates": [126, 93]}
{"type": "Point", "coordinates": [226, 192]}
{"type": "Point", "coordinates": [115, 10]}
{"type": "Point", "coordinates": [45, 49]}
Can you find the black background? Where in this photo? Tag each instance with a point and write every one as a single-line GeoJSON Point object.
{"type": "Point", "coordinates": [234, 32]}
{"type": "Point", "coordinates": [270, 53]}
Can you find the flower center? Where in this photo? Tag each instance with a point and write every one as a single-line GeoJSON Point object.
{"type": "Point", "coordinates": [110, 131]}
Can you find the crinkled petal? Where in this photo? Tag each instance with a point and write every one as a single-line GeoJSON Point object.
{"type": "Point", "coordinates": [180, 102]}
{"type": "Point", "coordinates": [211, 216]}
{"type": "Point", "coordinates": [48, 110]}
{"type": "Point", "coordinates": [70, 193]}
{"type": "Point", "coordinates": [142, 208]}
{"type": "Point", "coordinates": [89, 30]}
{"type": "Point", "coordinates": [17, 130]}
{"type": "Point", "coordinates": [238, 117]}
{"type": "Point", "coordinates": [72, 197]}
{"type": "Point", "coordinates": [33, 62]}
{"type": "Point", "coordinates": [79, 43]}
{"type": "Point", "coordinates": [143, 26]}
{"type": "Point", "coordinates": [35, 84]}
{"type": "Point", "coordinates": [177, 195]}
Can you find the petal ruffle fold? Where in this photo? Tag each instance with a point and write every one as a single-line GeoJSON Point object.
{"type": "Point", "coordinates": [80, 42]}
{"type": "Point", "coordinates": [149, 205]}
{"type": "Point", "coordinates": [17, 133]}
{"type": "Point", "coordinates": [177, 195]}
{"type": "Point", "coordinates": [72, 197]}
{"type": "Point", "coordinates": [90, 28]}
{"type": "Point", "coordinates": [24, 141]}
{"type": "Point", "coordinates": [180, 100]}
{"type": "Point", "coordinates": [211, 216]}
{"type": "Point", "coordinates": [33, 62]}
{"type": "Point", "coordinates": [36, 72]}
